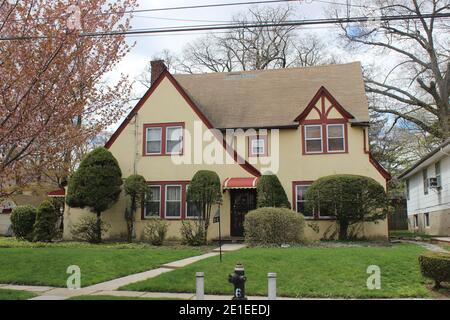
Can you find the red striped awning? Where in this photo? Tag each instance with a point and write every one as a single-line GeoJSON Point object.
{"type": "Point", "coordinates": [60, 193]}
{"type": "Point", "coordinates": [240, 183]}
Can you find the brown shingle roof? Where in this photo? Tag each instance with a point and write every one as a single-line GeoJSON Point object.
{"type": "Point", "coordinates": [271, 98]}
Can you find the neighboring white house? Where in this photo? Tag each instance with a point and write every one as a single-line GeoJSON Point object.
{"type": "Point", "coordinates": [428, 192]}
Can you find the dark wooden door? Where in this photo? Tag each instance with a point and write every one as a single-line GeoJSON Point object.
{"type": "Point", "coordinates": [242, 201]}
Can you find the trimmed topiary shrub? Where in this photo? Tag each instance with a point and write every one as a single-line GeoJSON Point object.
{"type": "Point", "coordinates": [45, 225]}
{"type": "Point", "coordinates": [22, 222]}
{"type": "Point", "coordinates": [270, 192]}
{"type": "Point", "coordinates": [155, 231]}
{"type": "Point", "coordinates": [352, 199]}
{"type": "Point", "coordinates": [436, 266]}
{"type": "Point", "coordinates": [96, 184]}
{"type": "Point", "coordinates": [273, 226]}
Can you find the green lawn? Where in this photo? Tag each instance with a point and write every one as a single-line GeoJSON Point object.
{"type": "Point", "coordinates": [15, 295]}
{"type": "Point", "coordinates": [304, 272]}
{"type": "Point", "coordinates": [115, 298]}
{"type": "Point", "coordinates": [46, 264]}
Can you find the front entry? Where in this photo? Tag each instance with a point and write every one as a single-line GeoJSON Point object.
{"type": "Point", "coordinates": [242, 201]}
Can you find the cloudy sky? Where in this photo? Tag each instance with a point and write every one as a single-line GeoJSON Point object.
{"type": "Point", "coordinates": [147, 46]}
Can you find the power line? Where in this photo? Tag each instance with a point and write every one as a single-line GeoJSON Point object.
{"type": "Point", "coordinates": [244, 26]}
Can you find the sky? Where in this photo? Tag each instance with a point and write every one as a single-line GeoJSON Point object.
{"type": "Point", "coordinates": [146, 47]}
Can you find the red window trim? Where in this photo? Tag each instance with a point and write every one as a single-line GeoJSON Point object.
{"type": "Point", "coordinates": [163, 127]}
{"type": "Point", "coordinates": [266, 146]}
{"type": "Point", "coordinates": [324, 125]}
{"type": "Point", "coordinates": [162, 211]}
{"type": "Point", "coordinates": [316, 215]}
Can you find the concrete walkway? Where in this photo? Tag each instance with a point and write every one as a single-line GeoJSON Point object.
{"type": "Point", "coordinates": [228, 247]}
{"type": "Point", "coordinates": [426, 245]}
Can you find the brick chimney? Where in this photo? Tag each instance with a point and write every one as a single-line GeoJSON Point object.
{"type": "Point", "coordinates": [157, 67]}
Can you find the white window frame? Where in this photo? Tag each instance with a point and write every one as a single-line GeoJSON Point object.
{"type": "Point", "coordinates": [160, 204]}
{"type": "Point", "coordinates": [306, 138]}
{"type": "Point", "coordinates": [426, 221]}
{"type": "Point", "coordinates": [253, 146]}
{"type": "Point", "coordinates": [437, 174]}
{"type": "Point", "coordinates": [165, 201]}
{"type": "Point", "coordinates": [343, 138]}
{"type": "Point", "coordinates": [181, 141]}
{"type": "Point", "coordinates": [147, 137]}
{"type": "Point", "coordinates": [296, 197]}
{"type": "Point", "coordinates": [186, 209]}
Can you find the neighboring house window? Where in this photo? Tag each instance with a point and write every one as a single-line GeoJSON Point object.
{"type": "Point", "coordinates": [437, 171]}
{"type": "Point", "coordinates": [154, 141]}
{"type": "Point", "coordinates": [192, 209]}
{"type": "Point", "coordinates": [425, 181]}
{"type": "Point", "coordinates": [300, 200]}
{"type": "Point", "coordinates": [173, 201]}
{"type": "Point", "coordinates": [258, 146]}
{"type": "Point", "coordinates": [407, 188]}
{"type": "Point", "coordinates": [153, 205]}
{"type": "Point", "coordinates": [163, 139]}
{"type": "Point", "coordinates": [416, 220]}
{"type": "Point", "coordinates": [426, 217]}
{"type": "Point", "coordinates": [313, 139]}
{"type": "Point", "coordinates": [335, 138]}
{"type": "Point", "coordinates": [174, 140]}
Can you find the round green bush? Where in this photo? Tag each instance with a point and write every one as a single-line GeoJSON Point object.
{"type": "Point", "coordinates": [436, 266]}
{"type": "Point", "coordinates": [273, 226]}
{"type": "Point", "coordinates": [45, 225]}
{"type": "Point", "coordinates": [22, 222]}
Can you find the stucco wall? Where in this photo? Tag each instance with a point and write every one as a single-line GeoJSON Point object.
{"type": "Point", "coordinates": [166, 105]}
{"type": "Point", "coordinates": [5, 222]}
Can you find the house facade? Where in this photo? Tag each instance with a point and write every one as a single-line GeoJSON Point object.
{"type": "Point", "coordinates": [300, 124]}
{"type": "Point", "coordinates": [428, 192]}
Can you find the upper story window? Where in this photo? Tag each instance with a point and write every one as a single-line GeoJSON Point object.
{"type": "Point", "coordinates": [437, 172]}
{"type": "Point", "coordinates": [335, 138]}
{"type": "Point", "coordinates": [258, 146]}
{"type": "Point", "coordinates": [425, 181]}
{"type": "Point", "coordinates": [313, 139]}
{"type": "Point", "coordinates": [163, 139]}
{"type": "Point", "coordinates": [154, 141]}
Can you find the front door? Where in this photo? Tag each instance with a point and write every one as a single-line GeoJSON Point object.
{"type": "Point", "coordinates": [242, 201]}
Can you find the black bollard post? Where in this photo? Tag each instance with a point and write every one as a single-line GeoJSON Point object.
{"type": "Point", "coordinates": [237, 278]}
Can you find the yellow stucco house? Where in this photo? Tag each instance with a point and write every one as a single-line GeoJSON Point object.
{"type": "Point", "coordinates": [300, 123]}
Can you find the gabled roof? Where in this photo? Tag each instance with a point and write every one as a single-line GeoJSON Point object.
{"type": "Point", "coordinates": [430, 158]}
{"type": "Point", "coordinates": [271, 98]}
{"type": "Point", "coordinates": [166, 74]}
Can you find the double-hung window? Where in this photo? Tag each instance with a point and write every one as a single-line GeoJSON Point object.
{"type": "Point", "coordinates": [153, 203]}
{"type": "Point", "coordinates": [335, 138]}
{"type": "Point", "coordinates": [437, 173]}
{"type": "Point", "coordinates": [153, 141]}
{"type": "Point", "coordinates": [174, 140]}
{"type": "Point", "coordinates": [258, 146]}
{"type": "Point", "coordinates": [192, 208]}
{"type": "Point", "coordinates": [313, 139]}
{"type": "Point", "coordinates": [300, 200]}
{"type": "Point", "coordinates": [173, 201]}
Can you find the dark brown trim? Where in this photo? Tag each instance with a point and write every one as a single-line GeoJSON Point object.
{"type": "Point", "coordinates": [162, 208]}
{"type": "Point", "coordinates": [321, 93]}
{"type": "Point", "coordinates": [163, 127]}
{"type": "Point", "coordinates": [386, 175]}
{"type": "Point", "coordinates": [266, 145]}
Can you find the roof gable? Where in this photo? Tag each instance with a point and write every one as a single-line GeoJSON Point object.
{"type": "Point", "coordinates": [323, 111]}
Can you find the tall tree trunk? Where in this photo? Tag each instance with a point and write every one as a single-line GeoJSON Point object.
{"type": "Point", "coordinates": [99, 227]}
{"type": "Point", "coordinates": [343, 229]}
